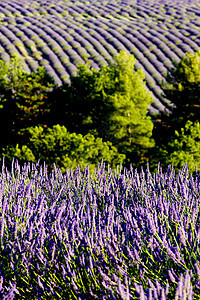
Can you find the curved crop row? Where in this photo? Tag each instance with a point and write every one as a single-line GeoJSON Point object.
{"type": "Point", "coordinates": [61, 35]}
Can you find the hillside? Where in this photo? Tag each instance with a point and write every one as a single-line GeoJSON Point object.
{"type": "Point", "coordinates": [59, 35]}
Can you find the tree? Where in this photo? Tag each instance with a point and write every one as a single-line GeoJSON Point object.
{"type": "Point", "coordinates": [186, 147]}
{"type": "Point", "coordinates": [182, 88]}
{"type": "Point", "coordinates": [24, 98]}
{"type": "Point", "coordinates": [32, 99]}
{"type": "Point", "coordinates": [10, 73]}
{"type": "Point", "coordinates": [66, 150]}
{"type": "Point", "coordinates": [183, 147]}
{"type": "Point", "coordinates": [84, 109]}
{"type": "Point", "coordinates": [128, 124]}
{"type": "Point", "coordinates": [112, 104]}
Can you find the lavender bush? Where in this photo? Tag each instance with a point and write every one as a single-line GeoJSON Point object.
{"type": "Point", "coordinates": [107, 235]}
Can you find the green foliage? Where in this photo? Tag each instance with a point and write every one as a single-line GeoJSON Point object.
{"type": "Point", "coordinates": [24, 97]}
{"type": "Point", "coordinates": [112, 104]}
{"type": "Point", "coordinates": [124, 89]}
{"type": "Point", "coordinates": [32, 99]}
{"type": "Point", "coordinates": [106, 113]}
{"type": "Point", "coordinates": [10, 73]}
{"type": "Point", "coordinates": [182, 88]}
{"type": "Point", "coordinates": [186, 147]}
{"type": "Point", "coordinates": [24, 154]}
{"type": "Point", "coordinates": [183, 147]}
{"type": "Point", "coordinates": [84, 108]}
{"type": "Point", "coordinates": [57, 145]}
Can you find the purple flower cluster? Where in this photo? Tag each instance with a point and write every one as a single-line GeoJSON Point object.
{"type": "Point", "coordinates": [106, 235]}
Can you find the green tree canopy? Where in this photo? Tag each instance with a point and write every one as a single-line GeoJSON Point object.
{"type": "Point", "coordinates": [183, 147]}
{"type": "Point", "coordinates": [24, 97]}
{"type": "Point", "coordinates": [128, 124]}
{"type": "Point", "coordinates": [182, 88]}
{"type": "Point", "coordinates": [111, 103]}
{"type": "Point", "coordinates": [10, 73]}
{"type": "Point", "coordinates": [82, 103]}
{"type": "Point", "coordinates": [186, 147]}
{"type": "Point", "coordinates": [66, 150]}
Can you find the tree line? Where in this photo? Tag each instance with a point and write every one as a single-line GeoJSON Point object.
{"type": "Point", "coordinates": [101, 114]}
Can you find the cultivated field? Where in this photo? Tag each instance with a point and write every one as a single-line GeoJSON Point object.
{"type": "Point", "coordinates": [62, 34]}
{"type": "Point", "coordinates": [114, 234]}
{"type": "Point", "coordinates": [117, 235]}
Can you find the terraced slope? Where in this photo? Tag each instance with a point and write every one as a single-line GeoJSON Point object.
{"type": "Point", "coordinates": [61, 34]}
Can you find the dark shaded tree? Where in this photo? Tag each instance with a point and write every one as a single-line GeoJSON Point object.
{"type": "Point", "coordinates": [111, 103]}
{"type": "Point", "coordinates": [24, 98]}
{"type": "Point", "coordinates": [182, 88]}
{"type": "Point", "coordinates": [80, 106]}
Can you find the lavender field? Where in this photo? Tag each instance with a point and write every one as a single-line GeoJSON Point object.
{"type": "Point", "coordinates": [114, 234]}
{"type": "Point", "coordinates": [60, 35]}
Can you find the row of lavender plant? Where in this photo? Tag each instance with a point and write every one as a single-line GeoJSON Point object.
{"type": "Point", "coordinates": [113, 234]}
{"type": "Point", "coordinates": [61, 35]}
